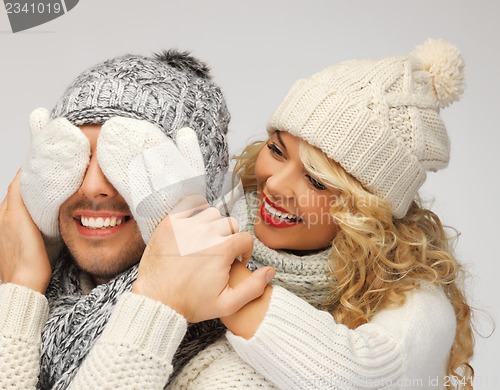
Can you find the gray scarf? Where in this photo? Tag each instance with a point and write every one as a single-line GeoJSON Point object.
{"type": "Point", "coordinates": [77, 319]}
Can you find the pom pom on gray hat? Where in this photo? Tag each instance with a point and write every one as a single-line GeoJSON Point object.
{"type": "Point", "coordinates": [379, 119]}
{"type": "Point", "coordinates": [171, 89]}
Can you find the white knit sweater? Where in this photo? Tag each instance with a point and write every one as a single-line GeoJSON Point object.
{"type": "Point", "coordinates": [296, 346]}
{"type": "Point", "coordinates": [22, 315]}
{"type": "Point", "coordinates": [299, 347]}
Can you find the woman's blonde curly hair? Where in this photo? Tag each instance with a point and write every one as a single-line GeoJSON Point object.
{"type": "Point", "coordinates": [377, 258]}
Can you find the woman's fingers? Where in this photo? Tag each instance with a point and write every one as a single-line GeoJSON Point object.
{"type": "Point", "coordinates": [234, 298]}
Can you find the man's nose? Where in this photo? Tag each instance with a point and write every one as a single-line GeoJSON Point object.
{"type": "Point", "coordinates": [95, 184]}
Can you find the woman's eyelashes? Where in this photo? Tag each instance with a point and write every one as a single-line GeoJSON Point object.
{"type": "Point", "coordinates": [275, 150]}
{"type": "Point", "coordinates": [316, 183]}
{"type": "Point", "coordinates": [280, 155]}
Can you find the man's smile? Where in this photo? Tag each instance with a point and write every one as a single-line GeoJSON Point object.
{"type": "Point", "coordinates": [100, 224]}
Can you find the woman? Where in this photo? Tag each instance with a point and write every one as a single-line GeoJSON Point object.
{"type": "Point", "coordinates": [372, 294]}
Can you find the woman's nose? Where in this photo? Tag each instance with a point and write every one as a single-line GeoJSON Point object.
{"type": "Point", "coordinates": [281, 183]}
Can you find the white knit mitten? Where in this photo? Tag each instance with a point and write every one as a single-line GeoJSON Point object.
{"type": "Point", "coordinates": [148, 169]}
{"type": "Point", "coordinates": [58, 159]}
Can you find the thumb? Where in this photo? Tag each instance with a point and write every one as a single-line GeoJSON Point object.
{"type": "Point", "coordinates": [188, 146]}
{"type": "Point", "coordinates": [38, 119]}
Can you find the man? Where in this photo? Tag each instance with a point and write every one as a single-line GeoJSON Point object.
{"type": "Point", "coordinates": [102, 176]}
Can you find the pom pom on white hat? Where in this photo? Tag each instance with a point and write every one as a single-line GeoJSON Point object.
{"type": "Point", "coordinates": [379, 119]}
{"type": "Point", "coordinates": [445, 66]}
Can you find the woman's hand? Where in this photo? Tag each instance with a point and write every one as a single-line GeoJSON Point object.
{"type": "Point", "coordinates": [186, 264]}
{"type": "Point", "coordinates": [23, 257]}
{"type": "Point", "coordinates": [247, 320]}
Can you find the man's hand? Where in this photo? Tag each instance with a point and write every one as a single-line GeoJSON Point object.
{"type": "Point", "coordinates": [23, 258]}
{"type": "Point", "coordinates": [186, 265]}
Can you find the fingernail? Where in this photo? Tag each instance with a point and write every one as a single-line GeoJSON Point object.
{"type": "Point", "coordinates": [239, 258]}
{"type": "Point", "coordinates": [270, 275]}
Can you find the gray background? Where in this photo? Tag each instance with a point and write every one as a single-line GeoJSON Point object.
{"type": "Point", "coordinates": [256, 50]}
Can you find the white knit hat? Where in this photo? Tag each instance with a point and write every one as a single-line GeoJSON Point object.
{"type": "Point", "coordinates": [379, 119]}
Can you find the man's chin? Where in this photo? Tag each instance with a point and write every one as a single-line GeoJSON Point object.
{"type": "Point", "coordinates": [101, 267]}
{"type": "Point", "coordinates": [102, 275]}
{"type": "Point", "coordinates": [103, 259]}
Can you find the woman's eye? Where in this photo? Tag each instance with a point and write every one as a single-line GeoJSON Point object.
{"type": "Point", "coordinates": [274, 149]}
{"type": "Point", "coordinates": [315, 183]}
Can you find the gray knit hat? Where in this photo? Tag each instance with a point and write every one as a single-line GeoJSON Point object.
{"type": "Point", "coordinates": [380, 120]}
{"type": "Point", "coordinates": [172, 90]}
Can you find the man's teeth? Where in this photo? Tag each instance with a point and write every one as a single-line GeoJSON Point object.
{"type": "Point", "coordinates": [99, 223]}
{"type": "Point", "coordinates": [278, 214]}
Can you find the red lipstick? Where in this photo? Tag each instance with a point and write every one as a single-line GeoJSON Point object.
{"type": "Point", "coordinates": [272, 220]}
